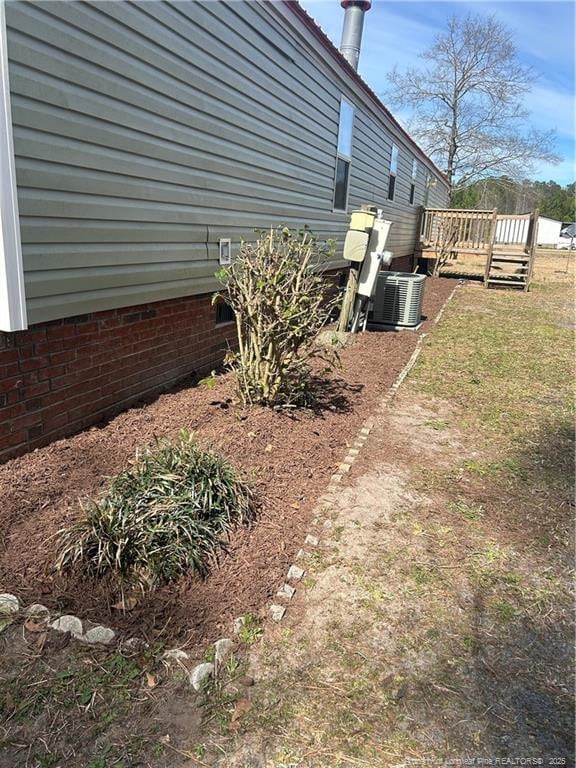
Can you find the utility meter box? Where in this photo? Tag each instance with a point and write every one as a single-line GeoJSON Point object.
{"type": "Point", "coordinates": [379, 236]}
{"type": "Point", "coordinates": [355, 245]}
{"type": "Point", "coordinates": [362, 221]}
{"type": "Point", "coordinates": [358, 235]}
{"type": "Point", "coordinates": [375, 259]}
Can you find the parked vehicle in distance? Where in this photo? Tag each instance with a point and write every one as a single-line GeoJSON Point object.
{"type": "Point", "coordinates": [567, 239]}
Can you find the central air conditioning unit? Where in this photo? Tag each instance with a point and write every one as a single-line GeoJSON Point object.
{"type": "Point", "coordinates": [397, 301]}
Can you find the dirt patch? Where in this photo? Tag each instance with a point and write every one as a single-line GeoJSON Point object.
{"type": "Point", "coordinates": [289, 457]}
{"type": "Point", "coordinates": [64, 703]}
{"type": "Point", "coordinates": [426, 631]}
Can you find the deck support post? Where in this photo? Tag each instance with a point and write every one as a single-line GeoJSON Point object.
{"type": "Point", "coordinates": [531, 246]}
{"type": "Point", "coordinates": [490, 246]}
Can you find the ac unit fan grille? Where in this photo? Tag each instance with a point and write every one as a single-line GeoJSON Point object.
{"type": "Point", "coordinates": [398, 299]}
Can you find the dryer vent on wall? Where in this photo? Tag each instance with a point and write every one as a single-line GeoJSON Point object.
{"type": "Point", "coordinates": [398, 299]}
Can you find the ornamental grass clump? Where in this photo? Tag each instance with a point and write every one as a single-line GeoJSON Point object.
{"type": "Point", "coordinates": [166, 515]}
{"type": "Point", "coordinates": [281, 301]}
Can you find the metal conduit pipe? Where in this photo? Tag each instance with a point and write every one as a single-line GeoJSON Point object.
{"type": "Point", "coordinates": [352, 29]}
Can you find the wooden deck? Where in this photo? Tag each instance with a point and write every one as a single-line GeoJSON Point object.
{"type": "Point", "coordinates": [505, 243]}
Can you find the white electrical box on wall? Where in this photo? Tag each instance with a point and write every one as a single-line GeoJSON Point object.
{"type": "Point", "coordinates": [225, 251]}
{"type": "Point", "coordinates": [375, 259]}
{"type": "Point", "coordinates": [379, 235]}
{"type": "Point", "coordinates": [355, 245]}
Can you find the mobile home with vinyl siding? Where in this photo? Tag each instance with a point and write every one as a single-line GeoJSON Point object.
{"type": "Point", "coordinates": [138, 137]}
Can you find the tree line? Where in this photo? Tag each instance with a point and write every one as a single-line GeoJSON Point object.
{"type": "Point", "coordinates": [511, 196]}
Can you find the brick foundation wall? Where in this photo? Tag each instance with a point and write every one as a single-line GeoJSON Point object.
{"type": "Point", "coordinates": [60, 377]}
{"type": "Point", "coordinates": [403, 264]}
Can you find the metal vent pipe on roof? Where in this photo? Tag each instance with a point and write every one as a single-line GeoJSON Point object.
{"type": "Point", "coordinates": [352, 29]}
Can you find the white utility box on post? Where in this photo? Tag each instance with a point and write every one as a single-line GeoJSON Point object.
{"type": "Point", "coordinates": [376, 257]}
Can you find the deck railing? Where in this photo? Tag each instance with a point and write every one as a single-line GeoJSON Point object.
{"type": "Point", "coordinates": [461, 231]}
{"type": "Point", "coordinates": [457, 229]}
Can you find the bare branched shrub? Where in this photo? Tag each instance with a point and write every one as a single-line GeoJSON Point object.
{"type": "Point", "coordinates": [281, 301]}
{"type": "Point", "coordinates": [446, 239]}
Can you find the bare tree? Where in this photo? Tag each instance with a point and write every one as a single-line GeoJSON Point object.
{"type": "Point", "coordinates": [466, 103]}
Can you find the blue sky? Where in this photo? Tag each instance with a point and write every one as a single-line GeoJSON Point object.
{"type": "Point", "coordinates": [396, 31]}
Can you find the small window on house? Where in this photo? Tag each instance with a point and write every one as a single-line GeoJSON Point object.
{"type": "Point", "coordinates": [341, 184]}
{"type": "Point", "coordinates": [343, 156]}
{"type": "Point", "coordinates": [414, 177]}
{"type": "Point", "coordinates": [393, 172]}
{"type": "Point", "coordinates": [224, 313]}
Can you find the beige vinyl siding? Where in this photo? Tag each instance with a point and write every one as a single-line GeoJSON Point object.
{"type": "Point", "coordinates": [144, 132]}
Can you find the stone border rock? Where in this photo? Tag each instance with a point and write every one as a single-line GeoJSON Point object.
{"type": "Point", "coordinates": [98, 635]}
{"type": "Point", "coordinates": [11, 609]}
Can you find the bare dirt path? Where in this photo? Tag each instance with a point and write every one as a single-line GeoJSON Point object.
{"type": "Point", "coordinates": [436, 619]}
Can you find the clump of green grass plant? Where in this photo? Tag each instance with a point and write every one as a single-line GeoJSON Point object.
{"type": "Point", "coordinates": [467, 509]}
{"type": "Point", "coordinates": [251, 630]}
{"type": "Point", "coordinates": [169, 513]}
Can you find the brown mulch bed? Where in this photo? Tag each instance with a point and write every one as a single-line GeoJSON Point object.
{"type": "Point", "coordinates": [290, 456]}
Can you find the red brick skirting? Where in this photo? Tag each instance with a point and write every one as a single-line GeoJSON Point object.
{"type": "Point", "coordinates": [403, 264]}
{"type": "Point", "coordinates": [59, 377]}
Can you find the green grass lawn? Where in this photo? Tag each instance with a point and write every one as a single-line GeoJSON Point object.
{"type": "Point", "coordinates": [505, 359]}
{"type": "Point", "coordinates": [437, 619]}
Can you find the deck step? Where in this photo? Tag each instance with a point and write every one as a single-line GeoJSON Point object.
{"type": "Point", "coordinates": [510, 259]}
{"type": "Point", "coordinates": [492, 280]}
{"type": "Point", "coordinates": [506, 265]}
{"type": "Point", "coordinates": [518, 254]}
{"type": "Point", "coordinates": [500, 273]}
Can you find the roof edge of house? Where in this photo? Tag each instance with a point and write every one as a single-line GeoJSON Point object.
{"type": "Point", "coordinates": [323, 38]}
